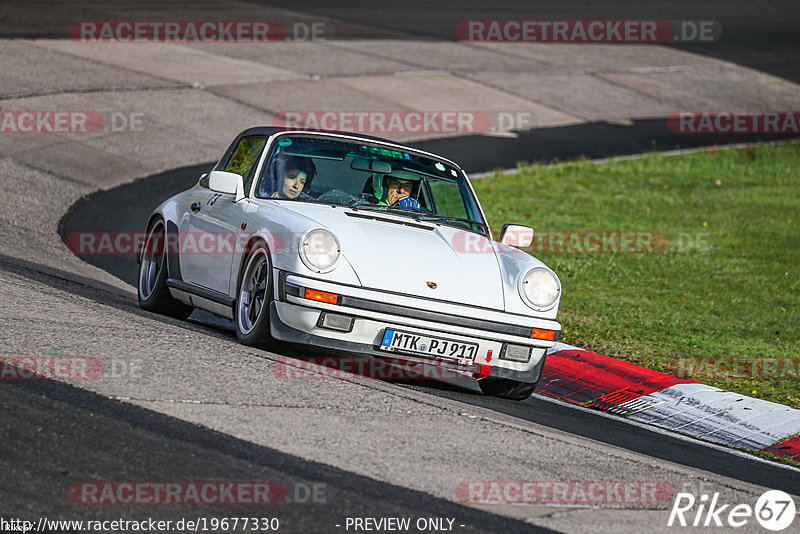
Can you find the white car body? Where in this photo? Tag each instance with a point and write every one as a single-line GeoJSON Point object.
{"type": "Point", "coordinates": [428, 278]}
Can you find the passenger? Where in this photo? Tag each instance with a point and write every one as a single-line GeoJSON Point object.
{"type": "Point", "coordinates": [294, 180]}
{"type": "Point", "coordinates": [296, 177]}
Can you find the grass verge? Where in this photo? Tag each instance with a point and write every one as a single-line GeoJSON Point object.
{"type": "Point", "coordinates": [696, 270]}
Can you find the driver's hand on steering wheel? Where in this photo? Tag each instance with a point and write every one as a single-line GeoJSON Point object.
{"type": "Point", "coordinates": [408, 203]}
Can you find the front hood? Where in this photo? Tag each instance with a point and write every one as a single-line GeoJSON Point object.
{"type": "Point", "coordinates": [395, 253]}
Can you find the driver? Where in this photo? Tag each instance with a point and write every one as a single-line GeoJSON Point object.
{"type": "Point", "coordinates": [397, 189]}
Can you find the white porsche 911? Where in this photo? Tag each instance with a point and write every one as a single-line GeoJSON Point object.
{"type": "Point", "coordinates": [358, 245]}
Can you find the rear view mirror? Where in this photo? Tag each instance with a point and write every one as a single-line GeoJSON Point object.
{"type": "Point", "coordinates": [371, 165]}
{"type": "Point", "coordinates": [227, 182]}
{"type": "Point", "coordinates": [516, 235]}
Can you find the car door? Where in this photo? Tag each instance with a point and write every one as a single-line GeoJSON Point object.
{"type": "Point", "coordinates": [208, 245]}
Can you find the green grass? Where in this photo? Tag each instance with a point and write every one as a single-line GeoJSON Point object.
{"type": "Point", "coordinates": [728, 285]}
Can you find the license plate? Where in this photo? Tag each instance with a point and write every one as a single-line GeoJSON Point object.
{"type": "Point", "coordinates": [437, 347]}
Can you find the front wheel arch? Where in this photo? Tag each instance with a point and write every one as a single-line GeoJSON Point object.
{"type": "Point", "coordinates": [253, 323]}
{"type": "Point", "coordinates": [154, 217]}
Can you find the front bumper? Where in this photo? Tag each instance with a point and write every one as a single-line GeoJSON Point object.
{"type": "Point", "coordinates": [297, 319]}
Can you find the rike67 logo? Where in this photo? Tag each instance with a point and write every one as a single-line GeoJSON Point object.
{"type": "Point", "coordinates": [774, 510]}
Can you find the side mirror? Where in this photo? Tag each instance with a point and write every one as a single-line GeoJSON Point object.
{"type": "Point", "coordinates": [227, 182]}
{"type": "Point", "coordinates": [516, 235]}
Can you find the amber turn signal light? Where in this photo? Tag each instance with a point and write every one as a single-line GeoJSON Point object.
{"type": "Point", "coordinates": [540, 333]}
{"type": "Point", "coordinates": [321, 296]}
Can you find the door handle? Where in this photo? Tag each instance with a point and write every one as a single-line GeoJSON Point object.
{"type": "Point", "coordinates": [195, 207]}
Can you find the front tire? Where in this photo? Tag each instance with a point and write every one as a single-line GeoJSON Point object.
{"type": "Point", "coordinates": [152, 291]}
{"type": "Point", "coordinates": [506, 389]}
{"type": "Point", "coordinates": [254, 296]}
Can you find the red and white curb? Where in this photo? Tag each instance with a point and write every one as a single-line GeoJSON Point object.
{"type": "Point", "coordinates": [705, 412]}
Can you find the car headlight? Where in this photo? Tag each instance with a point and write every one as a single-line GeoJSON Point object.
{"type": "Point", "coordinates": [540, 288]}
{"type": "Point", "coordinates": [319, 250]}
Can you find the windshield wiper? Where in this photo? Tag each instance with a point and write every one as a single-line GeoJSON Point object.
{"type": "Point", "coordinates": [423, 216]}
{"type": "Point", "coordinates": [433, 217]}
{"type": "Point", "coordinates": [388, 209]}
{"type": "Point", "coordinates": [368, 207]}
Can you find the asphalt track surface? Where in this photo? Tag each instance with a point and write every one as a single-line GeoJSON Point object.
{"type": "Point", "coordinates": [55, 433]}
{"type": "Point", "coordinates": [126, 209]}
{"type": "Point", "coordinates": [148, 446]}
{"type": "Point", "coordinates": [761, 35]}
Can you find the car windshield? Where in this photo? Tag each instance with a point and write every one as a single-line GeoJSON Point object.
{"type": "Point", "coordinates": [367, 175]}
